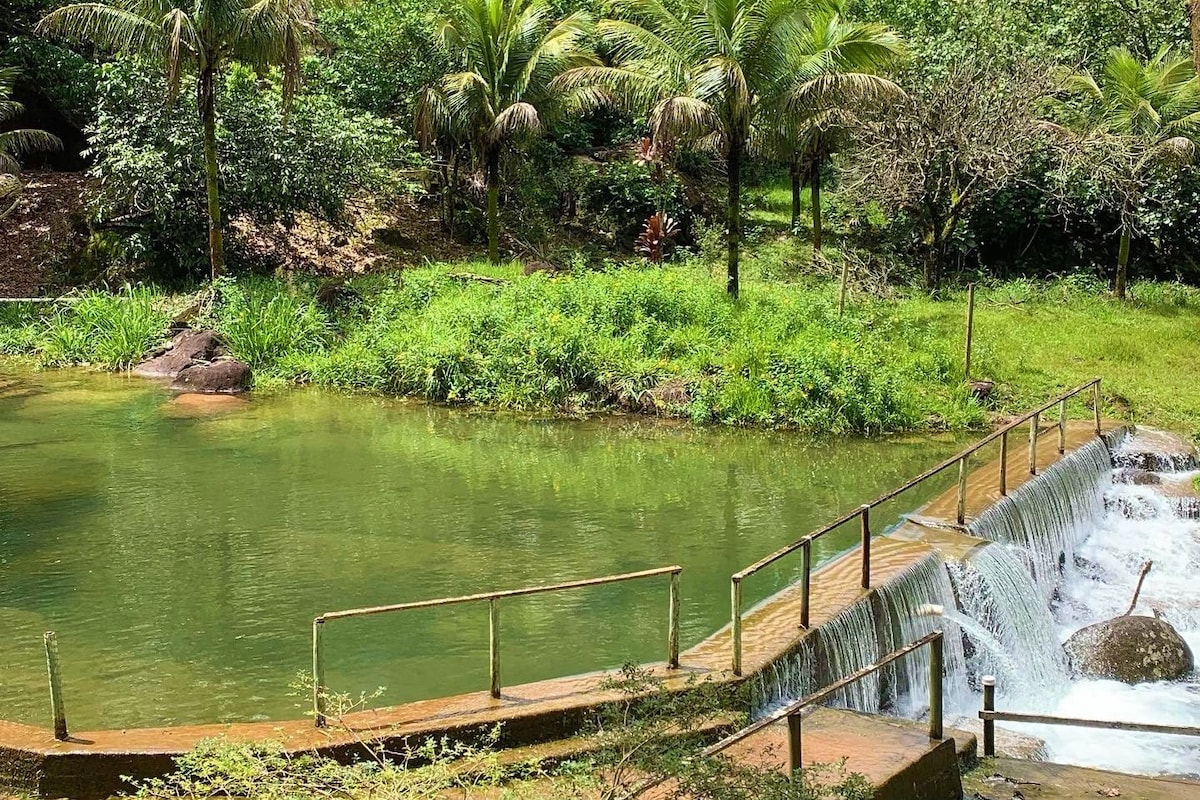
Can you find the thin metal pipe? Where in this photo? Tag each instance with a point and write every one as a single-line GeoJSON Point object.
{"type": "Point", "coordinates": [989, 726]}
{"type": "Point", "coordinates": [1004, 464]}
{"type": "Point", "coordinates": [318, 667]}
{"type": "Point", "coordinates": [806, 576]}
{"type": "Point", "coordinates": [494, 646]}
{"type": "Point", "coordinates": [865, 516]}
{"type": "Point", "coordinates": [1062, 427]}
{"type": "Point", "coordinates": [935, 687]}
{"type": "Point", "coordinates": [1033, 443]}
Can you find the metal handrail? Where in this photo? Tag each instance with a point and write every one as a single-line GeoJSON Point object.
{"type": "Point", "coordinates": [863, 512]}
{"type": "Point", "coordinates": [319, 696]}
{"type": "Point", "coordinates": [791, 712]}
{"type": "Point", "coordinates": [990, 716]}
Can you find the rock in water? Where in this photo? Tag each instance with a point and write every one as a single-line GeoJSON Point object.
{"type": "Point", "coordinates": [184, 350]}
{"type": "Point", "coordinates": [223, 376]}
{"type": "Point", "coordinates": [1130, 649]}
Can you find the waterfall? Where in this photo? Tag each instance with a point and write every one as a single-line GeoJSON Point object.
{"type": "Point", "coordinates": [1045, 519]}
{"type": "Point", "coordinates": [1014, 634]}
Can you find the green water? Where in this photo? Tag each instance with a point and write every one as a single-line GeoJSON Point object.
{"type": "Point", "coordinates": [182, 558]}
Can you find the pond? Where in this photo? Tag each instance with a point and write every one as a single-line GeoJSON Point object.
{"type": "Point", "coordinates": [181, 556]}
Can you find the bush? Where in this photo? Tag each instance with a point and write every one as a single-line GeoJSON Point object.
{"type": "Point", "coordinates": [264, 324]}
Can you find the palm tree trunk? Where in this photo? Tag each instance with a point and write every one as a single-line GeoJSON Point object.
{"type": "Point", "coordinates": [493, 204]}
{"type": "Point", "coordinates": [818, 231]}
{"type": "Point", "coordinates": [208, 115]}
{"type": "Point", "coordinates": [795, 170]}
{"type": "Point", "coordinates": [1193, 8]}
{"type": "Point", "coordinates": [1123, 259]}
{"type": "Point", "coordinates": [734, 212]}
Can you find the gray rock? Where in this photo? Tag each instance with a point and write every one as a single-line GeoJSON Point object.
{"type": "Point", "coordinates": [223, 376]}
{"type": "Point", "coordinates": [1131, 650]}
{"type": "Point", "coordinates": [185, 349]}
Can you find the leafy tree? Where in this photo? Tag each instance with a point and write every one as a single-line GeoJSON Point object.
{"type": "Point", "coordinates": [15, 143]}
{"type": "Point", "coordinates": [508, 53]}
{"type": "Point", "coordinates": [200, 39]}
{"type": "Point", "coordinates": [705, 71]}
{"type": "Point", "coordinates": [839, 60]}
{"type": "Point", "coordinates": [1124, 126]}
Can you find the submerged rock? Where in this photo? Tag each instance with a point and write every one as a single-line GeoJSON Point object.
{"type": "Point", "coordinates": [223, 376]}
{"type": "Point", "coordinates": [192, 404]}
{"type": "Point", "coordinates": [187, 348]}
{"type": "Point", "coordinates": [1130, 649]}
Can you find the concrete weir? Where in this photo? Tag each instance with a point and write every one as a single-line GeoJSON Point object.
{"type": "Point", "coordinates": [91, 764]}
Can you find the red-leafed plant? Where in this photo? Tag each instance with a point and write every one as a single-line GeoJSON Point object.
{"type": "Point", "coordinates": [659, 230]}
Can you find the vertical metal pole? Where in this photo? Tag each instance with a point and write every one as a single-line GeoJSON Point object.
{"type": "Point", "coordinates": [1062, 427]}
{"type": "Point", "coordinates": [494, 645]}
{"type": "Point", "coordinates": [935, 686]}
{"type": "Point", "coordinates": [961, 509]}
{"type": "Point", "coordinates": [989, 725]}
{"type": "Point", "coordinates": [1004, 463]}
{"type": "Point", "coordinates": [56, 700]}
{"type": "Point", "coordinates": [970, 331]}
{"type": "Point", "coordinates": [1096, 404]}
{"type": "Point", "coordinates": [806, 569]}
{"type": "Point", "coordinates": [865, 518]}
{"type": "Point", "coordinates": [735, 597]}
{"type": "Point", "coordinates": [1033, 439]}
{"type": "Point", "coordinates": [318, 667]}
{"type": "Point", "coordinates": [795, 762]}
{"type": "Point", "coordinates": [673, 624]}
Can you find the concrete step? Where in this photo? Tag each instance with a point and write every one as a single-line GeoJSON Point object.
{"type": "Point", "coordinates": [1006, 778]}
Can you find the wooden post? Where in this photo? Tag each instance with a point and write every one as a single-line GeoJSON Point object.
{"type": "Point", "coordinates": [318, 666]}
{"type": "Point", "coordinates": [735, 597]}
{"type": "Point", "coordinates": [494, 645]}
{"type": "Point", "coordinates": [935, 687]}
{"type": "Point", "coordinates": [56, 699]}
{"type": "Point", "coordinates": [673, 624]}
{"type": "Point", "coordinates": [970, 332]}
{"type": "Point", "coordinates": [806, 577]}
{"type": "Point", "coordinates": [865, 518]}
{"type": "Point", "coordinates": [1004, 463]}
{"type": "Point", "coordinates": [795, 762]}
{"type": "Point", "coordinates": [1033, 439]}
{"type": "Point", "coordinates": [960, 513]}
{"type": "Point", "coordinates": [989, 725]}
{"type": "Point", "coordinates": [1062, 427]}
{"type": "Point", "coordinates": [1096, 404]}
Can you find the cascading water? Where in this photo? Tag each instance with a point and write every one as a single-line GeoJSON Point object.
{"type": "Point", "coordinates": [1045, 519]}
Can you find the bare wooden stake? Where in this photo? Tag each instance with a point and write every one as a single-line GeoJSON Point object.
{"type": "Point", "coordinates": [1138, 589]}
{"type": "Point", "coordinates": [318, 666]}
{"type": "Point", "coordinates": [806, 576]}
{"type": "Point", "coordinates": [795, 751]}
{"type": "Point", "coordinates": [735, 629]}
{"type": "Point", "coordinates": [673, 624]}
{"type": "Point", "coordinates": [865, 517]}
{"type": "Point", "coordinates": [56, 699]}
{"type": "Point", "coordinates": [494, 646]}
{"type": "Point", "coordinates": [989, 725]}
{"type": "Point", "coordinates": [970, 331]}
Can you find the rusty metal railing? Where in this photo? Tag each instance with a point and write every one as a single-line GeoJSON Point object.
{"type": "Point", "coordinates": [492, 598]}
{"type": "Point", "coordinates": [863, 512]}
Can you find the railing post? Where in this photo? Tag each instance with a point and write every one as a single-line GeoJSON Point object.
{"type": "Point", "coordinates": [1096, 403]}
{"type": "Point", "coordinates": [494, 645]}
{"type": "Point", "coordinates": [865, 518]}
{"type": "Point", "coordinates": [806, 577]}
{"type": "Point", "coordinates": [970, 332]}
{"type": "Point", "coordinates": [935, 686]}
{"type": "Point", "coordinates": [1033, 441]}
{"type": "Point", "coordinates": [1062, 426]}
{"type": "Point", "coordinates": [795, 762]}
{"type": "Point", "coordinates": [673, 624]}
{"type": "Point", "coordinates": [989, 725]}
{"type": "Point", "coordinates": [1004, 463]}
{"type": "Point", "coordinates": [735, 598]}
{"type": "Point", "coordinates": [961, 509]}
{"type": "Point", "coordinates": [318, 667]}
{"type": "Point", "coordinates": [56, 700]}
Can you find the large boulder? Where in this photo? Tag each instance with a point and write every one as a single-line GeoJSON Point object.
{"type": "Point", "coordinates": [223, 376]}
{"type": "Point", "coordinates": [187, 348]}
{"type": "Point", "coordinates": [1130, 649]}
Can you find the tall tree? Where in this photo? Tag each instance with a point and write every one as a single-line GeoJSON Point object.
{"type": "Point", "coordinates": [832, 73]}
{"type": "Point", "coordinates": [704, 69]}
{"type": "Point", "coordinates": [198, 39]}
{"type": "Point", "coordinates": [1122, 126]}
{"type": "Point", "coordinates": [508, 53]}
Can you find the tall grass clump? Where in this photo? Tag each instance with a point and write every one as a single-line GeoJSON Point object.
{"type": "Point", "coordinates": [266, 324]}
{"type": "Point", "coordinates": [101, 329]}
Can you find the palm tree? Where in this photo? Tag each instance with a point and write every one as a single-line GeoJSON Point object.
{"type": "Point", "coordinates": [831, 71]}
{"type": "Point", "coordinates": [708, 70]}
{"type": "Point", "coordinates": [1132, 120]}
{"type": "Point", "coordinates": [508, 53]}
{"type": "Point", "coordinates": [16, 143]}
{"type": "Point", "coordinates": [198, 38]}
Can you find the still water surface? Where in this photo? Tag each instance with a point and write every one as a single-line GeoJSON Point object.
{"type": "Point", "coordinates": [181, 558]}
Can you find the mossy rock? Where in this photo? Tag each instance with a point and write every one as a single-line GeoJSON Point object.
{"type": "Point", "coordinates": [1131, 650]}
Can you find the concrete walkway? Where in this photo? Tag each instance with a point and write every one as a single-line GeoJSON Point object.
{"type": "Point", "coordinates": [1004, 778]}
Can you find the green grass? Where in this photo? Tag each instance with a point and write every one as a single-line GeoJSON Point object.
{"type": "Point", "coordinates": [607, 340]}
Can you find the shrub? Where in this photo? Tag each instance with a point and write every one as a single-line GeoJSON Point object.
{"type": "Point", "coordinates": [265, 325]}
{"type": "Point", "coordinates": [110, 330]}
